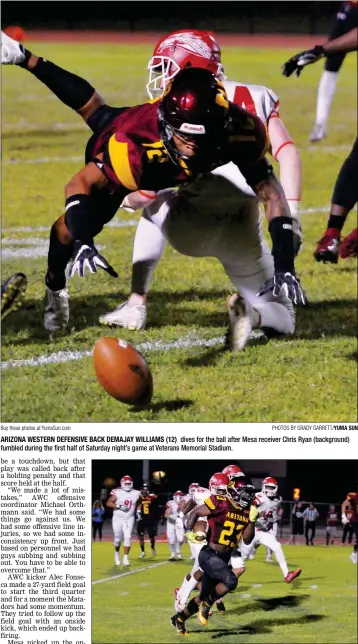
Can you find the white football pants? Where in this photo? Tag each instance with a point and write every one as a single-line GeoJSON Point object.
{"type": "Point", "coordinates": [122, 531]}
{"type": "Point", "coordinates": [212, 218]}
{"type": "Point", "coordinates": [269, 540]}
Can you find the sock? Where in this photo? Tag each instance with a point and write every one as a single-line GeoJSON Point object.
{"type": "Point", "coordinates": [326, 91]}
{"type": "Point", "coordinates": [192, 607]}
{"type": "Point", "coordinates": [152, 543]}
{"type": "Point", "coordinates": [281, 560]}
{"type": "Point", "coordinates": [186, 588]}
{"type": "Point", "coordinates": [58, 257]}
{"type": "Point", "coordinates": [142, 547]}
{"type": "Point", "coordinates": [172, 548]}
{"type": "Point", "coordinates": [147, 250]}
{"type": "Point", "coordinates": [72, 90]}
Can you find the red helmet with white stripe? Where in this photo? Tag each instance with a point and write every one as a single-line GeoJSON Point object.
{"type": "Point", "coordinates": [269, 487]}
{"type": "Point", "coordinates": [126, 483]}
{"type": "Point", "coordinates": [178, 50]}
{"type": "Point", "coordinates": [192, 488]}
{"type": "Point", "coordinates": [233, 471]}
{"type": "Point", "coordinates": [178, 496]}
{"type": "Point", "coordinates": [218, 483]}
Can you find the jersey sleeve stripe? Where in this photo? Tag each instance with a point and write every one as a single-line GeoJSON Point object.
{"type": "Point", "coordinates": [209, 503]}
{"type": "Point", "coordinates": [283, 145]}
{"type": "Point", "coordinates": [119, 157]}
{"type": "Point", "coordinates": [146, 194]}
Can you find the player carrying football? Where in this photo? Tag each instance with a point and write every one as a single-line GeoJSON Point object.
{"type": "Point", "coordinates": [192, 130]}
{"type": "Point", "coordinates": [230, 518]}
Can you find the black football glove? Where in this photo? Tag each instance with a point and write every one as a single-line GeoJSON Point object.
{"type": "Point", "coordinates": [86, 256]}
{"type": "Point", "coordinates": [289, 284]}
{"type": "Point", "coordinates": [299, 61]}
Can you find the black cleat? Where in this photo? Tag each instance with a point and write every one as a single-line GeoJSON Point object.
{"type": "Point", "coordinates": [204, 613]}
{"type": "Point", "coordinates": [179, 625]}
{"type": "Point", "coordinates": [220, 606]}
{"type": "Point", "coordinates": [12, 293]}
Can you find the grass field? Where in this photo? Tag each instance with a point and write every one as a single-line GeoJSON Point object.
{"type": "Point", "coordinates": [311, 377]}
{"type": "Point", "coordinates": [320, 606]}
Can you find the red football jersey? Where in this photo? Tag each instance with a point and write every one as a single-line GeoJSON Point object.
{"type": "Point", "coordinates": [226, 522]}
{"type": "Point", "coordinates": [134, 156]}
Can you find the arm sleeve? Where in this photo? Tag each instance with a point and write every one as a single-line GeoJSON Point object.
{"type": "Point", "coordinates": [122, 162]}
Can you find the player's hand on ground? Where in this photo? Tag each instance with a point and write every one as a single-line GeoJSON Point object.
{"type": "Point", "coordinates": [87, 258]}
{"type": "Point", "coordinates": [289, 284]}
{"type": "Point", "coordinates": [299, 61]}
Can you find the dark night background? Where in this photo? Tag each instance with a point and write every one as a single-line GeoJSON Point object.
{"type": "Point", "coordinates": [244, 17]}
{"type": "Point", "coordinates": [319, 481]}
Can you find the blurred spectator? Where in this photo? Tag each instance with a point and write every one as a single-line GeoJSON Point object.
{"type": "Point", "coordinates": [97, 519]}
{"type": "Point", "coordinates": [310, 516]}
{"type": "Point", "coordinates": [297, 522]}
{"type": "Point", "coordinates": [331, 525]}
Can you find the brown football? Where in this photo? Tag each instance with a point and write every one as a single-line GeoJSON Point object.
{"type": "Point", "coordinates": [122, 371]}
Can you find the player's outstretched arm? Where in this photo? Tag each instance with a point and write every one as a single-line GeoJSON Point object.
{"type": "Point", "coordinates": [347, 42]}
{"type": "Point", "coordinates": [78, 220]}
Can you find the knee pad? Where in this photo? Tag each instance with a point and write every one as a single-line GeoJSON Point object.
{"type": "Point", "coordinates": [230, 581]}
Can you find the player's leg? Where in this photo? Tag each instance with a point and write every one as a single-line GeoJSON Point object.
{"type": "Point", "coordinates": [179, 539]}
{"type": "Point", "coordinates": [354, 555]}
{"type": "Point", "coordinates": [171, 536]}
{"type": "Point", "coordinates": [148, 247]}
{"type": "Point", "coordinates": [218, 580]}
{"type": "Point", "coordinates": [346, 19]}
{"type": "Point", "coordinates": [268, 550]}
{"type": "Point", "coordinates": [74, 91]}
{"type": "Point", "coordinates": [127, 537]}
{"type": "Point", "coordinates": [140, 532]}
{"type": "Point", "coordinates": [270, 541]}
{"type": "Point", "coordinates": [152, 533]}
{"type": "Point", "coordinates": [118, 536]}
{"type": "Point", "coordinates": [191, 579]}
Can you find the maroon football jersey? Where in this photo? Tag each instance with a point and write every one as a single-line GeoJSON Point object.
{"type": "Point", "coordinates": [134, 156]}
{"type": "Point", "coordinates": [226, 522]}
{"type": "Point", "coordinates": [353, 500]}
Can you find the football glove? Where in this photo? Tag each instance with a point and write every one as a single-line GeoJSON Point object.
{"type": "Point", "coordinates": [86, 256]}
{"type": "Point", "coordinates": [254, 513]}
{"type": "Point", "coordinates": [299, 61]}
{"type": "Point", "coordinates": [289, 284]}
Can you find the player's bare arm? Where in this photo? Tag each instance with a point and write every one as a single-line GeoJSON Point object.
{"type": "Point", "coordinates": [111, 503]}
{"type": "Point", "coordinates": [199, 511]}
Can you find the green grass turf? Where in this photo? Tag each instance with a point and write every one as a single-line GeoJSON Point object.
{"type": "Point", "coordinates": [309, 378]}
{"type": "Point", "coordinates": [320, 606]}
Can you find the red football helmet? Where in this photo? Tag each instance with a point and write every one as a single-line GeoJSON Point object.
{"type": "Point", "coordinates": [192, 488]}
{"type": "Point", "coordinates": [233, 471]}
{"type": "Point", "coordinates": [178, 496]}
{"type": "Point", "coordinates": [178, 50]}
{"type": "Point", "coordinates": [126, 483]}
{"type": "Point", "coordinates": [241, 492]}
{"type": "Point", "coordinates": [218, 483]}
{"type": "Point", "coordinates": [269, 487]}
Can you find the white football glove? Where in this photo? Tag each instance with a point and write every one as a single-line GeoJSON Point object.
{"type": "Point", "coordinates": [87, 257]}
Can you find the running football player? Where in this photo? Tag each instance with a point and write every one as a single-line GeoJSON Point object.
{"type": "Point", "coordinates": [351, 504]}
{"type": "Point", "coordinates": [175, 531]}
{"type": "Point", "coordinates": [202, 231]}
{"type": "Point", "coordinates": [268, 503]}
{"type": "Point", "coordinates": [345, 192]}
{"type": "Point", "coordinates": [123, 501]}
{"type": "Point", "coordinates": [197, 538]}
{"type": "Point", "coordinates": [230, 517]}
{"type": "Point", "coordinates": [146, 518]}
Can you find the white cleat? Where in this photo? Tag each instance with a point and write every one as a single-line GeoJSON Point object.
{"type": "Point", "coordinates": [57, 310]}
{"type": "Point", "coordinates": [172, 558]}
{"type": "Point", "coordinates": [268, 559]}
{"type": "Point", "coordinates": [142, 554]}
{"type": "Point", "coordinates": [11, 51]}
{"type": "Point", "coordinates": [252, 556]}
{"type": "Point", "coordinates": [179, 557]}
{"type": "Point", "coordinates": [117, 559]}
{"type": "Point", "coordinates": [241, 319]}
{"type": "Point", "coordinates": [154, 552]}
{"type": "Point", "coordinates": [319, 132]}
{"type": "Point", "coordinates": [354, 557]}
{"type": "Point", "coordinates": [126, 561]}
{"type": "Point", "coordinates": [133, 318]}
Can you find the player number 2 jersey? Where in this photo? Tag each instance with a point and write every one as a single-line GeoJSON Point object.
{"type": "Point", "coordinates": [226, 522]}
{"type": "Point", "coordinates": [126, 501]}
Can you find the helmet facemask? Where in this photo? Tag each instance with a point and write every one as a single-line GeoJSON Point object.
{"type": "Point", "coordinates": [241, 494]}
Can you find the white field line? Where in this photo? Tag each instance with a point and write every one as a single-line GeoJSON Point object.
{"type": "Point", "coordinates": [126, 223]}
{"type": "Point", "coordinates": [69, 356]}
{"type": "Point", "coordinates": [131, 572]}
{"type": "Point", "coordinates": [19, 161]}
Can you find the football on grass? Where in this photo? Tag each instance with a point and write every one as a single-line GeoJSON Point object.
{"type": "Point", "coordinates": [122, 371]}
